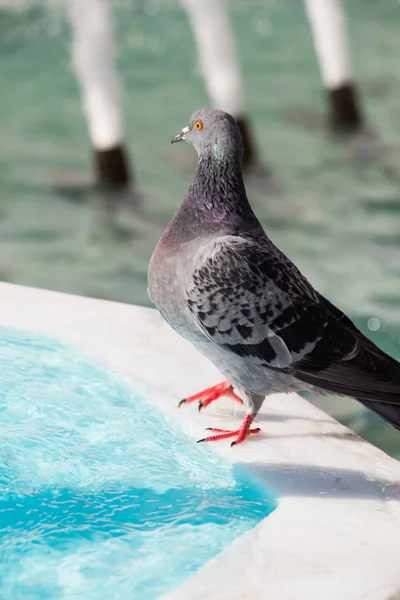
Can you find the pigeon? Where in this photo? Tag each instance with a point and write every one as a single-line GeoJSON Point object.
{"type": "Point", "coordinates": [220, 282]}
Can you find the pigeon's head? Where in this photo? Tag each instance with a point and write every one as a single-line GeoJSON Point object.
{"type": "Point", "coordinates": [213, 131]}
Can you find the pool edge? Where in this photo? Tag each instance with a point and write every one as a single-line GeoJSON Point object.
{"type": "Point", "coordinates": [336, 530]}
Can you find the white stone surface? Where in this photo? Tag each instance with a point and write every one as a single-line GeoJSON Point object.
{"type": "Point", "coordinates": [335, 534]}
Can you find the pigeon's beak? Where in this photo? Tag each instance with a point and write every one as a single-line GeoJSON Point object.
{"type": "Point", "coordinates": [180, 136]}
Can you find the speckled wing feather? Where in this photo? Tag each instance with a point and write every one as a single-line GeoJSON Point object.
{"type": "Point", "coordinates": [250, 298]}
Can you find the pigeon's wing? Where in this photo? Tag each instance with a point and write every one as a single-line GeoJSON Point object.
{"type": "Point", "coordinates": [252, 300]}
{"type": "Point", "coordinates": [366, 372]}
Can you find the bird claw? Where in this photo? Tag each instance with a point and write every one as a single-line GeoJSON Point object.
{"type": "Point", "coordinates": [239, 440]}
{"type": "Point", "coordinates": [242, 433]}
{"type": "Point", "coordinates": [211, 394]}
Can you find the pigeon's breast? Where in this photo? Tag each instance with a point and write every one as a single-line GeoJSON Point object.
{"type": "Point", "coordinates": [169, 271]}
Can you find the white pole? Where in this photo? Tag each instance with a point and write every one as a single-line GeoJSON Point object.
{"type": "Point", "coordinates": [93, 61]}
{"type": "Point", "coordinates": [328, 25]}
{"type": "Point", "coordinates": [216, 53]}
{"type": "Point", "coordinates": [219, 64]}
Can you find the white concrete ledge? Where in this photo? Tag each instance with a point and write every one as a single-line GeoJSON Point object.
{"type": "Point", "coordinates": [336, 531]}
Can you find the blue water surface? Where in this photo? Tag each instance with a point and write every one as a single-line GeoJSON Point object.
{"type": "Point", "coordinates": [100, 496]}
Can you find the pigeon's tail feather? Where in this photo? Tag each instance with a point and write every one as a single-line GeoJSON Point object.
{"type": "Point", "coordinates": [389, 412]}
{"type": "Point", "coordinates": [371, 377]}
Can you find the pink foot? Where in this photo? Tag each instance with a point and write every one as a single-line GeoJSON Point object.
{"type": "Point", "coordinates": [242, 433]}
{"type": "Point", "coordinates": [212, 393]}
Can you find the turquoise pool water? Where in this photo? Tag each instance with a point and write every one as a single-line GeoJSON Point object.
{"type": "Point", "coordinates": [334, 208]}
{"type": "Point", "coordinates": [100, 496]}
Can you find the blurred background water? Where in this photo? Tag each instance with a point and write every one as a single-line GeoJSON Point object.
{"type": "Point", "coordinates": [332, 206]}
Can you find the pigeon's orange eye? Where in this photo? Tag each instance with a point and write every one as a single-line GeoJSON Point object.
{"type": "Point", "coordinates": [198, 125]}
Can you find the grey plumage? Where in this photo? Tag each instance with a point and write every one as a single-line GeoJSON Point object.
{"type": "Point", "coordinates": [218, 280]}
